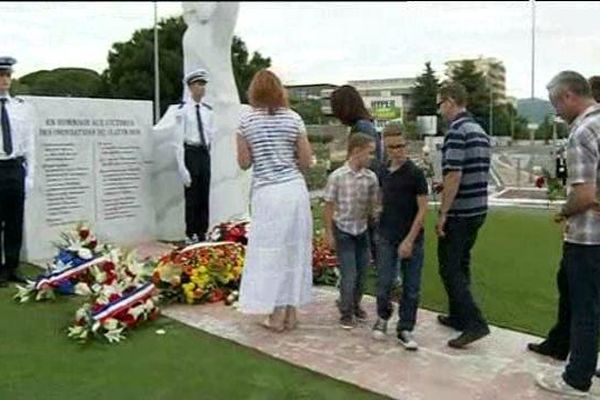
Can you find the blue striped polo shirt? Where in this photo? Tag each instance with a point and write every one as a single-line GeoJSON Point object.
{"type": "Point", "coordinates": [272, 140]}
{"type": "Point", "coordinates": [467, 149]}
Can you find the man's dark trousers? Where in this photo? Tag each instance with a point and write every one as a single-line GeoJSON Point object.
{"type": "Point", "coordinates": [197, 162]}
{"type": "Point", "coordinates": [12, 202]}
{"type": "Point", "coordinates": [454, 255]}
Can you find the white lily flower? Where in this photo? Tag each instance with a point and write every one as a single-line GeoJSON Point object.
{"type": "Point", "coordinates": [136, 311]}
{"type": "Point", "coordinates": [84, 253]}
{"type": "Point", "coordinates": [114, 336]}
{"type": "Point", "coordinates": [82, 289]}
{"type": "Point", "coordinates": [111, 324]}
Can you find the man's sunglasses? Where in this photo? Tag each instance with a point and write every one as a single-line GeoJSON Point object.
{"type": "Point", "coordinates": [396, 146]}
{"type": "Point", "coordinates": [439, 103]}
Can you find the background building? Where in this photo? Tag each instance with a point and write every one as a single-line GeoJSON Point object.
{"type": "Point", "coordinates": [386, 99]}
{"type": "Point", "coordinates": [309, 91]}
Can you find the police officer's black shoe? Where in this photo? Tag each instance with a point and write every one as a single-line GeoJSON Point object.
{"type": "Point", "coordinates": [15, 277]}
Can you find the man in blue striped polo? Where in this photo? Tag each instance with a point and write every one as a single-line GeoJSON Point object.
{"type": "Point", "coordinates": [465, 166]}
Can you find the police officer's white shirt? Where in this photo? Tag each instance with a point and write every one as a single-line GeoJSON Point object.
{"type": "Point", "coordinates": [23, 126]}
{"type": "Point", "coordinates": [191, 134]}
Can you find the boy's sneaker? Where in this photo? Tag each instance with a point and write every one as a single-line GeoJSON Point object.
{"type": "Point", "coordinates": [379, 329]}
{"type": "Point", "coordinates": [405, 338]}
{"type": "Point", "coordinates": [360, 314]}
{"type": "Point", "coordinates": [347, 322]}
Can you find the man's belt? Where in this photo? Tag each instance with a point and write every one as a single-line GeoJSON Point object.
{"type": "Point", "coordinates": [197, 146]}
{"type": "Point", "coordinates": [17, 161]}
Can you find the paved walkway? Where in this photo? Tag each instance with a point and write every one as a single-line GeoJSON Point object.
{"type": "Point", "coordinates": [497, 367]}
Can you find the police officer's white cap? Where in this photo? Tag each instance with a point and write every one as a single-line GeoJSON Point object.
{"type": "Point", "coordinates": [6, 63]}
{"type": "Point", "coordinates": [197, 75]}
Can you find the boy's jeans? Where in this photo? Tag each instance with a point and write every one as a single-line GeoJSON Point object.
{"type": "Point", "coordinates": [387, 272]}
{"type": "Point", "coordinates": [353, 256]}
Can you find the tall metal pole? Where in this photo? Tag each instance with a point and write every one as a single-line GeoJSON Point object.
{"type": "Point", "coordinates": [491, 111]}
{"type": "Point", "coordinates": [532, 133]}
{"type": "Point", "coordinates": [156, 70]}
{"type": "Point", "coordinates": [532, 48]}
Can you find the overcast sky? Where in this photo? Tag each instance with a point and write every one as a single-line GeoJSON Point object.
{"type": "Point", "coordinates": [331, 42]}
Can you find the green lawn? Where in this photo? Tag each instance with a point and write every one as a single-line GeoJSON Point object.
{"type": "Point", "coordinates": [38, 361]}
{"type": "Point", "coordinates": [514, 266]}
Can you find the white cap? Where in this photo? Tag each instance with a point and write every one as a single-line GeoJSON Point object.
{"type": "Point", "coordinates": [197, 75]}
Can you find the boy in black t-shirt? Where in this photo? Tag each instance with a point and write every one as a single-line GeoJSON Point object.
{"type": "Point", "coordinates": [404, 201]}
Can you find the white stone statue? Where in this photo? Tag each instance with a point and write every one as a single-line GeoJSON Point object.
{"type": "Point", "coordinates": [206, 44]}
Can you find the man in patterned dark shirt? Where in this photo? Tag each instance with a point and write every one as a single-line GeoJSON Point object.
{"type": "Point", "coordinates": [465, 166]}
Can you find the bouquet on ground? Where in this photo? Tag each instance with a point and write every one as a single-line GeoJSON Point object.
{"type": "Point", "coordinates": [77, 253]}
{"type": "Point", "coordinates": [200, 273]}
{"type": "Point", "coordinates": [119, 298]}
{"type": "Point", "coordinates": [232, 231]}
{"type": "Point", "coordinates": [325, 265]}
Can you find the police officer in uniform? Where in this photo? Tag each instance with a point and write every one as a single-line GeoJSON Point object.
{"type": "Point", "coordinates": [18, 126]}
{"type": "Point", "coordinates": [195, 118]}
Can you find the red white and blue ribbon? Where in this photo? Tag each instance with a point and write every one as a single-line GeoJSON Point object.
{"type": "Point", "coordinates": [205, 244]}
{"type": "Point", "coordinates": [140, 294]}
{"type": "Point", "coordinates": [62, 275]}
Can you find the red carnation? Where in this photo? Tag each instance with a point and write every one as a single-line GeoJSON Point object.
{"type": "Point", "coordinates": [539, 182]}
{"type": "Point", "coordinates": [84, 233]}
{"type": "Point", "coordinates": [108, 266]}
{"type": "Point", "coordinates": [128, 320]}
{"type": "Point", "coordinates": [216, 295]}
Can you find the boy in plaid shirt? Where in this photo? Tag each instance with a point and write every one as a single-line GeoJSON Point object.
{"type": "Point", "coordinates": [351, 196]}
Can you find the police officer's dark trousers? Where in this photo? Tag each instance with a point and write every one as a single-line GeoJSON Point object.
{"type": "Point", "coordinates": [12, 202]}
{"type": "Point", "coordinates": [197, 162]}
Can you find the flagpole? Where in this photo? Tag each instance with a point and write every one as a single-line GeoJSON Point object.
{"type": "Point", "coordinates": [156, 70]}
{"type": "Point", "coordinates": [532, 49]}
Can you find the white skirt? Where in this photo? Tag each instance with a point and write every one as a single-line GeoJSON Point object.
{"type": "Point", "coordinates": [278, 265]}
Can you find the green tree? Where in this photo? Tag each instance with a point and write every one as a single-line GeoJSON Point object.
{"type": "Point", "coordinates": [309, 110]}
{"type": "Point", "coordinates": [545, 130]}
{"type": "Point", "coordinates": [475, 82]}
{"type": "Point", "coordinates": [130, 72]}
{"type": "Point", "coordinates": [424, 93]}
{"type": "Point", "coordinates": [245, 68]}
{"type": "Point", "coordinates": [66, 82]}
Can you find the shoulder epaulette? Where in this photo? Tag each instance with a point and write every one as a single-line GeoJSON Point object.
{"type": "Point", "coordinates": [207, 106]}
{"type": "Point", "coordinates": [181, 104]}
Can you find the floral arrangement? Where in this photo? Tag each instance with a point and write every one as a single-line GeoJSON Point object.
{"type": "Point", "coordinates": [233, 231]}
{"type": "Point", "coordinates": [119, 298]}
{"type": "Point", "coordinates": [200, 273]}
{"type": "Point", "coordinates": [325, 265]}
{"type": "Point", "coordinates": [77, 253]}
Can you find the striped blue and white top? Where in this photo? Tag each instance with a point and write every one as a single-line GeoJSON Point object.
{"type": "Point", "coordinates": [272, 140]}
{"type": "Point", "coordinates": [467, 149]}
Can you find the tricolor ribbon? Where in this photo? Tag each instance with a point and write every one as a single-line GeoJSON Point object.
{"type": "Point", "coordinates": [205, 244]}
{"type": "Point", "coordinates": [124, 302]}
{"type": "Point", "coordinates": [66, 273]}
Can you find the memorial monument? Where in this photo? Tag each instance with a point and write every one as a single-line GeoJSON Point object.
{"type": "Point", "coordinates": [206, 44]}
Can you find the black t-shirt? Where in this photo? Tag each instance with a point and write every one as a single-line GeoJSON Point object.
{"type": "Point", "coordinates": [400, 190]}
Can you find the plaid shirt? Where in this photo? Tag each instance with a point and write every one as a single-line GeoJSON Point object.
{"type": "Point", "coordinates": [583, 166]}
{"type": "Point", "coordinates": [355, 195]}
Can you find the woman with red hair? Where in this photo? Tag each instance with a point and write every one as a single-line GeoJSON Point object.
{"type": "Point", "coordinates": [277, 276]}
